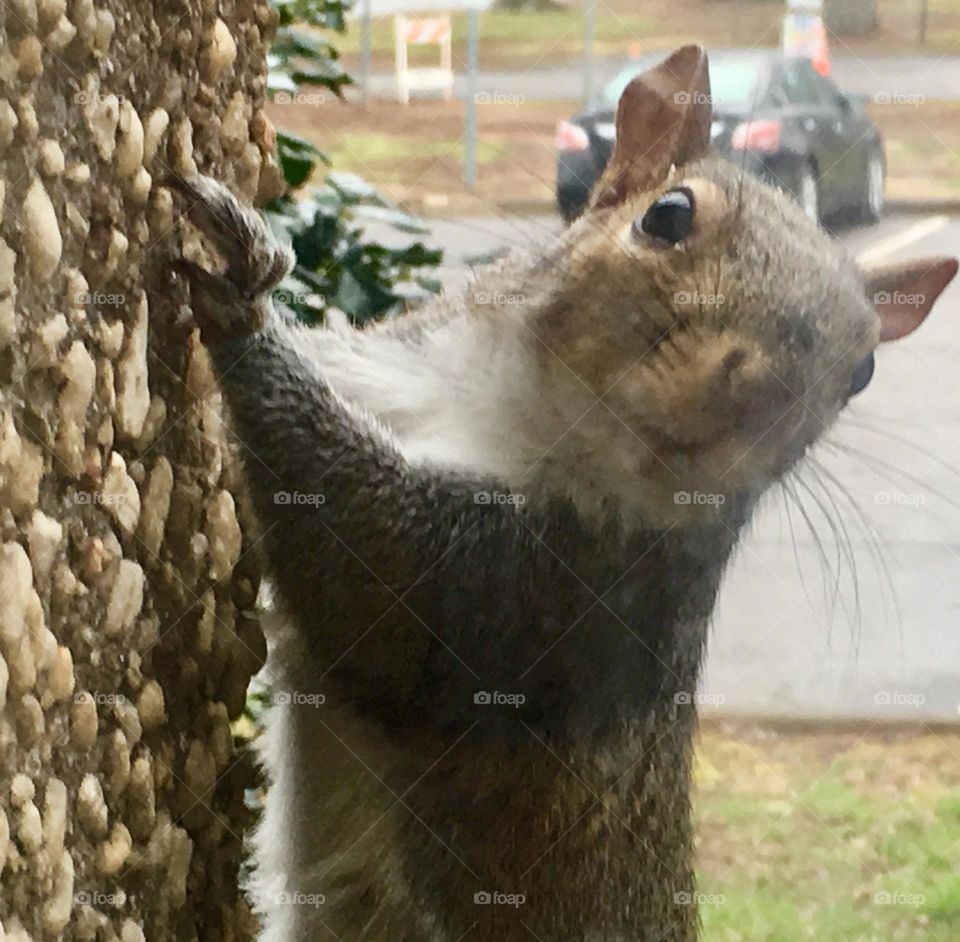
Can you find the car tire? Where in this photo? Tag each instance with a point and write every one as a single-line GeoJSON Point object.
{"type": "Point", "coordinates": [805, 188]}
{"type": "Point", "coordinates": [870, 208]}
{"type": "Point", "coordinates": [571, 203]}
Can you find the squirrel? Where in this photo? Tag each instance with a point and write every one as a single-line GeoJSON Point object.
{"type": "Point", "coordinates": [496, 528]}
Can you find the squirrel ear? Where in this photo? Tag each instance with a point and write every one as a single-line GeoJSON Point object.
{"type": "Point", "coordinates": [663, 119]}
{"type": "Point", "coordinates": [904, 293]}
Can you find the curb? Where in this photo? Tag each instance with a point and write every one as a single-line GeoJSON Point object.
{"type": "Point", "coordinates": [923, 207]}
{"type": "Point", "coordinates": [792, 725]}
{"type": "Point", "coordinates": [545, 207]}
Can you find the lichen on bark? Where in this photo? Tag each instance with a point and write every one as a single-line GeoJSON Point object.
{"type": "Point", "coordinates": [127, 583]}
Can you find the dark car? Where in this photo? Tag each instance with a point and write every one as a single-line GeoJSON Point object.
{"type": "Point", "coordinates": [772, 113]}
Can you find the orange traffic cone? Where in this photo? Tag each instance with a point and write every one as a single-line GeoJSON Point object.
{"type": "Point", "coordinates": [821, 59]}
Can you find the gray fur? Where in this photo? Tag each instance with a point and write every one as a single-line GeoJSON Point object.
{"type": "Point", "coordinates": [400, 597]}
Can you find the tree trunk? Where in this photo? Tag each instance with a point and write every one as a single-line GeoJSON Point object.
{"type": "Point", "coordinates": [126, 583]}
{"type": "Point", "coordinates": [851, 17]}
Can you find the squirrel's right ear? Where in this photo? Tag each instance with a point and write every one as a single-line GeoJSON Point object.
{"type": "Point", "coordinates": [904, 293]}
{"type": "Point", "coordinates": [663, 119]}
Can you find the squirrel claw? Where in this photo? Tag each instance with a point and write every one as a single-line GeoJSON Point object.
{"type": "Point", "coordinates": [236, 302]}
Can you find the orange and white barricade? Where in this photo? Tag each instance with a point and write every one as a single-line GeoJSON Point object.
{"type": "Point", "coordinates": [422, 31]}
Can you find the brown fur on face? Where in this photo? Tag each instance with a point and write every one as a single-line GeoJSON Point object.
{"type": "Point", "coordinates": [722, 355]}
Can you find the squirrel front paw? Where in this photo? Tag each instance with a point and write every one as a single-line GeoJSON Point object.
{"type": "Point", "coordinates": [236, 302]}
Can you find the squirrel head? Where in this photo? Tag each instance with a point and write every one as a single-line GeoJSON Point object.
{"type": "Point", "coordinates": [720, 325]}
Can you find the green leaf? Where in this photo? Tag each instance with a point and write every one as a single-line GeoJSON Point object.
{"type": "Point", "coordinates": [337, 265]}
{"type": "Point", "coordinates": [298, 157]}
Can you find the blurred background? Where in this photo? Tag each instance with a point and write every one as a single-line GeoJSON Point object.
{"type": "Point", "coordinates": [422, 139]}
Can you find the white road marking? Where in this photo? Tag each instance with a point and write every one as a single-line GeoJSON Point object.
{"type": "Point", "coordinates": [890, 246]}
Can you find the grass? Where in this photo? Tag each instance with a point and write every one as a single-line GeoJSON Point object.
{"type": "Point", "coordinates": [524, 39]}
{"type": "Point", "coordinates": [923, 148]}
{"type": "Point", "coordinates": [415, 155]}
{"type": "Point", "coordinates": [829, 836]}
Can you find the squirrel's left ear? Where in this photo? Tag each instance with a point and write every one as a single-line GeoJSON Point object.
{"type": "Point", "coordinates": [663, 119]}
{"type": "Point", "coordinates": [904, 293]}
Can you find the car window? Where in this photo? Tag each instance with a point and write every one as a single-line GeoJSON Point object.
{"type": "Point", "coordinates": [829, 91]}
{"type": "Point", "coordinates": [735, 85]}
{"type": "Point", "coordinates": [614, 88]}
{"type": "Point", "coordinates": [803, 86]}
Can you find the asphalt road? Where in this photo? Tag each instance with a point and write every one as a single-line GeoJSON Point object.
{"type": "Point", "coordinates": [885, 641]}
{"type": "Point", "coordinates": [901, 78]}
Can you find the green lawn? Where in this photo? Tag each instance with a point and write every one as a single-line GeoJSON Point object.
{"type": "Point", "coordinates": [833, 838]}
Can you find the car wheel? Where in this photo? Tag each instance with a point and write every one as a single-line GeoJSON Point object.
{"type": "Point", "coordinates": [870, 209]}
{"type": "Point", "coordinates": [571, 203]}
{"type": "Point", "coordinates": [806, 191]}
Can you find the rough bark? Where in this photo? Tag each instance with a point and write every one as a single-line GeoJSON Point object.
{"type": "Point", "coordinates": [126, 587]}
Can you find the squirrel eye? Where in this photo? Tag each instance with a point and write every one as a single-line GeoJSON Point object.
{"type": "Point", "coordinates": [669, 219]}
{"type": "Point", "coordinates": [862, 375]}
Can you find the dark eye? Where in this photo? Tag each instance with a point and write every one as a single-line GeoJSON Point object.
{"type": "Point", "coordinates": [670, 218]}
{"type": "Point", "coordinates": [862, 375]}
